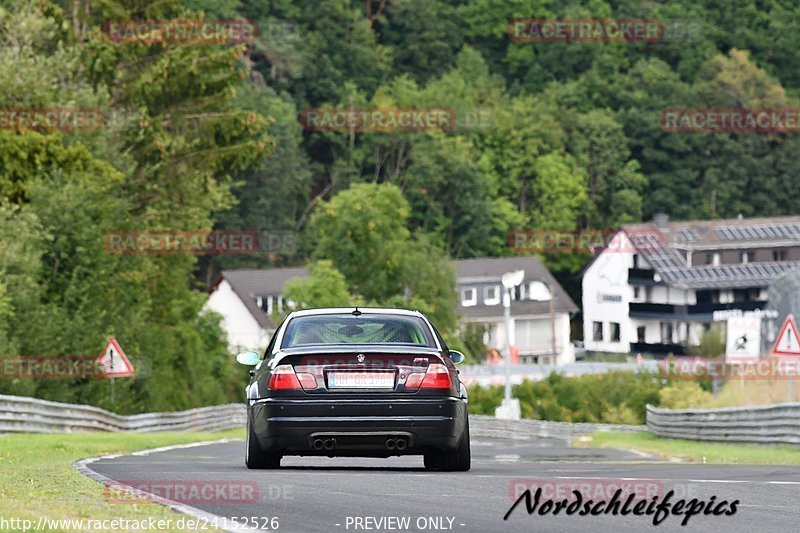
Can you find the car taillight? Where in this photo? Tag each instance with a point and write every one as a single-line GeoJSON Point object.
{"type": "Point", "coordinates": [437, 377]}
{"type": "Point", "coordinates": [283, 377]}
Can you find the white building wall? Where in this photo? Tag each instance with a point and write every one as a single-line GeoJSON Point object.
{"type": "Point", "coordinates": [606, 295]}
{"type": "Point", "coordinates": [531, 334]}
{"type": "Point", "coordinates": [244, 333]}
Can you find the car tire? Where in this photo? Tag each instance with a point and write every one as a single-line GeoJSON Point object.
{"type": "Point", "coordinates": [433, 460]}
{"type": "Point", "coordinates": [458, 460]}
{"type": "Point", "coordinates": [254, 457]}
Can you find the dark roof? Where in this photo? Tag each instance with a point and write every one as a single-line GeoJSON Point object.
{"type": "Point", "coordinates": [249, 284]}
{"type": "Point", "coordinates": [665, 246]}
{"type": "Point", "coordinates": [488, 269]}
{"type": "Point", "coordinates": [734, 233]}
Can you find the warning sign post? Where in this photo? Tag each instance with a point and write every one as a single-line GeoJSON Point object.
{"type": "Point", "coordinates": [788, 341]}
{"type": "Point", "coordinates": [114, 363]}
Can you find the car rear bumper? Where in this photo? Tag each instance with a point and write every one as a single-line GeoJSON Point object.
{"type": "Point", "coordinates": [358, 427]}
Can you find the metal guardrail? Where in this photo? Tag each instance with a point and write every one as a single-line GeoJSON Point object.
{"type": "Point", "coordinates": [767, 424]}
{"type": "Point", "coordinates": [19, 414]}
{"type": "Point", "coordinates": [488, 426]}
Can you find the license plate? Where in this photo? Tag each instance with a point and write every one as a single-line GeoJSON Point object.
{"type": "Point", "coordinates": [361, 380]}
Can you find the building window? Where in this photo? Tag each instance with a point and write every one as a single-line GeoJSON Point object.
{"type": "Point", "coordinates": [666, 332]}
{"type": "Point", "coordinates": [614, 331]}
{"type": "Point", "coordinates": [778, 255]}
{"type": "Point", "coordinates": [491, 295]}
{"type": "Point", "coordinates": [636, 291]}
{"type": "Point", "coordinates": [640, 337]}
{"type": "Point", "coordinates": [469, 297]}
{"type": "Point", "coordinates": [744, 257]}
{"type": "Point", "coordinates": [712, 259]}
{"type": "Point", "coordinates": [597, 331]}
{"type": "Point", "coordinates": [265, 303]}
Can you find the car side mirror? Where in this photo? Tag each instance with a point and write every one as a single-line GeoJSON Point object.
{"type": "Point", "coordinates": [457, 357]}
{"type": "Point", "coordinates": [248, 358]}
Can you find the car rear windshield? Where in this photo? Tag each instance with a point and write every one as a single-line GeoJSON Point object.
{"type": "Point", "coordinates": [362, 329]}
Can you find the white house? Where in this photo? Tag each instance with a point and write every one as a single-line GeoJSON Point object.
{"type": "Point", "coordinates": [656, 287]}
{"type": "Point", "coordinates": [246, 299]}
{"type": "Point", "coordinates": [540, 308]}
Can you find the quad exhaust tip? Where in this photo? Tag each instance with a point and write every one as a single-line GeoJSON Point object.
{"type": "Point", "coordinates": [396, 444]}
{"type": "Point", "coordinates": [326, 444]}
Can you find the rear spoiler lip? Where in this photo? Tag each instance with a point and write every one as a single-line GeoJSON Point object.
{"type": "Point", "coordinates": [356, 348]}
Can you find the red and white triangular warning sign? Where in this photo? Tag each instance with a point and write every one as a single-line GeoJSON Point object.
{"type": "Point", "coordinates": [114, 362]}
{"type": "Point", "coordinates": [788, 341]}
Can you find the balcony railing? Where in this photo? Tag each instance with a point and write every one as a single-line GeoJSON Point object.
{"type": "Point", "coordinates": [646, 307]}
{"type": "Point", "coordinates": [657, 349]}
{"type": "Point", "coordinates": [644, 274]}
{"type": "Point", "coordinates": [709, 307]}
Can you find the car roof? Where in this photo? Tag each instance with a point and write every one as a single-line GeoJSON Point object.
{"type": "Point", "coordinates": [348, 310]}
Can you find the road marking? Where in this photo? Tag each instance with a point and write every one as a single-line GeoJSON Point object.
{"type": "Point", "coordinates": [182, 446]}
{"type": "Point", "coordinates": [81, 466]}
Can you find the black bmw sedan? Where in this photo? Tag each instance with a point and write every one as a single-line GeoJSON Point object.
{"type": "Point", "coordinates": [357, 382]}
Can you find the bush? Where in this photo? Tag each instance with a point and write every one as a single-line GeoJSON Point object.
{"type": "Point", "coordinates": [484, 400]}
{"type": "Point", "coordinates": [614, 398]}
{"type": "Point", "coordinates": [683, 395]}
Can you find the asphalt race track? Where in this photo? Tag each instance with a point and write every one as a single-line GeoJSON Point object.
{"type": "Point", "coordinates": [354, 494]}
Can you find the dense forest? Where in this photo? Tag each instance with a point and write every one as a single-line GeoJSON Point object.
{"type": "Point", "coordinates": [198, 135]}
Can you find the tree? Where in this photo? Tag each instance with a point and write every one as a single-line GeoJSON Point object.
{"type": "Point", "coordinates": [614, 183]}
{"type": "Point", "coordinates": [324, 287]}
{"type": "Point", "coordinates": [363, 232]}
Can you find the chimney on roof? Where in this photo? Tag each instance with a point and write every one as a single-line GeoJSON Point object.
{"type": "Point", "coordinates": [660, 220]}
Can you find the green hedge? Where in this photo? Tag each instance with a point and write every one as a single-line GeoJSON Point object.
{"type": "Point", "coordinates": [614, 398]}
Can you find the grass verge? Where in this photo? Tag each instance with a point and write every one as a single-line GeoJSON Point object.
{"type": "Point", "coordinates": [692, 450]}
{"type": "Point", "coordinates": [37, 477]}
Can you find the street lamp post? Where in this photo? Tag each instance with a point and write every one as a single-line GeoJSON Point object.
{"type": "Point", "coordinates": [507, 362]}
{"type": "Point", "coordinates": [509, 409]}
